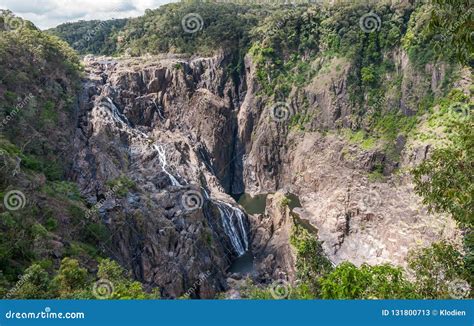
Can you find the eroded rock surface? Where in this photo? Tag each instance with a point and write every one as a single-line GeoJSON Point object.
{"type": "Point", "coordinates": [176, 125]}
{"type": "Point", "coordinates": [152, 156]}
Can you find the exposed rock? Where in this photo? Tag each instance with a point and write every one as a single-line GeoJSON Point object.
{"type": "Point", "coordinates": [166, 219]}
{"type": "Point", "coordinates": [271, 234]}
{"type": "Point", "coordinates": [177, 125]}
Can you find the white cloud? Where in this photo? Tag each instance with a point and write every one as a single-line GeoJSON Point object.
{"type": "Point", "coordinates": [50, 13]}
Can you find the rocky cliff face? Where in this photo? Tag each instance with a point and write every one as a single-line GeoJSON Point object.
{"type": "Point", "coordinates": [359, 219]}
{"type": "Point", "coordinates": [153, 157]}
{"type": "Point", "coordinates": [181, 135]}
{"type": "Point", "coordinates": [275, 259]}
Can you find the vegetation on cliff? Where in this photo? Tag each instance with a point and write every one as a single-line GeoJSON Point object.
{"type": "Point", "coordinates": [289, 45]}
{"type": "Point", "coordinates": [95, 36]}
{"type": "Point", "coordinates": [39, 84]}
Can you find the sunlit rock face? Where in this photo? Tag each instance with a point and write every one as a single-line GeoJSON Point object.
{"type": "Point", "coordinates": [183, 136]}
{"type": "Point", "coordinates": [153, 155]}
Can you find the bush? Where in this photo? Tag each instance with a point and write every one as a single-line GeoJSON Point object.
{"type": "Point", "coordinates": [435, 268]}
{"type": "Point", "coordinates": [366, 282]}
{"type": "Point", "coordinates": [70, 279]}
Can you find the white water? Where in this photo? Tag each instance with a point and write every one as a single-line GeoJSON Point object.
{"type": "Point", "coordinates": [117, 114]}
{"type": "Point", "coordinates": [164, 163]}
{"type": "Point", "coordinates": [233, 222]}
{"type": "Point", "coordinates": [232, 217]}
{"type": "Point", "coordinates": [159, 111]}
{"type": "Point", "coordinates": [121, 118]}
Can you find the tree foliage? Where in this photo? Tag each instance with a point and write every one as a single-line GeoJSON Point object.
{"type": "Point", "coordinates": [70, 279]}
{"type": "Point", "coordinates": [219, 26]}
{"type": "Point", "coordinates": [452, 23]}
{"type": "Point", "coordinates": [436, 268]}
{"type": "Point", "coordinates": [95, 36]}
{"type": "Point", "coordinates": [446, 179]}
{"type": "Point", "coordinates": [311, 262]}
{"type": "Point", "coordinates": [123, 286]}
{"type": "Point", "coordinates": [366, 282]}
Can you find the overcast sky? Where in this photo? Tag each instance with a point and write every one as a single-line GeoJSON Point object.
{"type": "Point", "coordinates": [50, 13]}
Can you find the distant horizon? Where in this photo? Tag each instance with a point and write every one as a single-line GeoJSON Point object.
{"type": "Point", "coordinates": [47, 14]}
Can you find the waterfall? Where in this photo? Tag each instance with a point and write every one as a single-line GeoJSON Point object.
{"type": "Point", "coordinates": [163, 162]}
{"type": "Point", "coordinates": [121, 118]}
{"type": "Point", "coordinates": [206, 194]}
{"type": "Point", "coordinates": [116, 113]}
{"type": "Point", "coordinates": [234, 227]}
{"type": "Point", "coordinates": [158, 110]}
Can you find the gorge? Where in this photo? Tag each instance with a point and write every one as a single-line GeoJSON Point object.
{"type": "Point", "coordinates": [200, 168]}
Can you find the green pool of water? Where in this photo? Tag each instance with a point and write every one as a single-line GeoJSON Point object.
{"type": "Point", "coordinates": [256, 204]}
{"type": "Point", "coordinates": [252, 205]}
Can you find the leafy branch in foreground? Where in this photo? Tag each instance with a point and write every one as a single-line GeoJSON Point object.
{"type": "Point", "coordinates": [446, 179]}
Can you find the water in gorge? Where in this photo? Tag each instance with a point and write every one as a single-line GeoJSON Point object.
{"type": "Point", "coordinates": [252, 205]}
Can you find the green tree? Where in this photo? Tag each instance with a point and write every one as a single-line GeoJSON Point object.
{"type": "Point", "coordinates": [446, 179]}
{"type": "Point", "coordinates": [452, 22]}
{"type": "Point", "coordinates": [311, 263]}
{"type": "Point", "coordinates": [71, 278]}
{"type": "Point", "coordinates": [436, 268]}
{"type": "Point", "coordinates": [122, 287]}
{"type": "Point", "coordinates": [366, 282]}
{"type": "Point", "coordinates": [33, 284]}
{"type": "Point", "coordinates": [367, 75]}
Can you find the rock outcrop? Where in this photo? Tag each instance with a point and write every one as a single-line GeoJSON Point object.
{"type": "Point", "coordinates": [152, 157]}
{"type": "Point", "coordinates": [275, 259]}
{"type": "Point", "coordinates": [186, 135]}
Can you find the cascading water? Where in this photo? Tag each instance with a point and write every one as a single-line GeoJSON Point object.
{"type": "Point", "coordinates": [121, 118]}
{"type": "Point", "coordinates": [159, 111]}
{"type": "Point", "coordinates": [234, 226]}
{"type": "Point", "coordinates": [164, 163]}
{"type": "Point", "coordinates": [116, 113]}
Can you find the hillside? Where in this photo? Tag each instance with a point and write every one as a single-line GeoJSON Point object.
{"type": "Point", "coordinates": [324, 143]}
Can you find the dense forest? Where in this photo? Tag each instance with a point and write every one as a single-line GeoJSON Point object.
{"type": "Point", "coordinates": [48, 250]}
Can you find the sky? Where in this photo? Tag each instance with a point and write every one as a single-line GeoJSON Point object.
{"type": "Point", "coordinates": [49, 13]}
